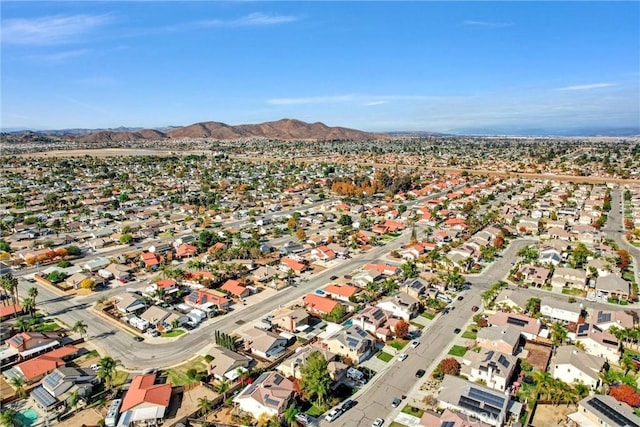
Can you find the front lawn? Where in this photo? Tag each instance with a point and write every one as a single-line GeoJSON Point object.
{"type": "Point", "coordinates": [428, 315]}
{"type": "Point", "coordinates": [398, 343]}
{"type": "Point", "coordinates": [412, 410]}
{"type": "Point", "coordinates": [173, 333]}
{"type": "Point", "coordinates": [458, 350]}
{"type": "Point", "coordinates": [573, 291]}
{"type": "Point", "coordinates": [48, 327]}
{"type": "Point", "coordinates": [178, 375]}
{"type": "Point", "coordinates": [471, 333]}
{"type": "Point", "coordinates": [314, 411]}
{"type": "Point", "coordinates": [385, 357]}
{"type": "Point", "coordinates": [416, 325]}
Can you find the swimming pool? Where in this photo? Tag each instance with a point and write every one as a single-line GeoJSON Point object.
{"type": "Point", "coordinates": [26, 417]}
{"type": "Point", "coordinates": [349, 322]}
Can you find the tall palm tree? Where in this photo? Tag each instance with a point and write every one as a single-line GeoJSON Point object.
{"type": "Point", "coordinates": [107, 369]}
{"type": "Point", "coordinates": [80, 328]}
{"type": "Point", "coordinates": [18, 384]}
{"type": "Point", "coordinates": [558, 334]}
{"type": "Point", "coordinates": [33, 293]}
{"type": "Point", "coordinates": [20, 324]}
{"type": "Point", "coordinates": [29, 305]}
{"type": "Point", "coordinates": [544, 382]}
{"type": "Point", "coordinates": [10, 286]}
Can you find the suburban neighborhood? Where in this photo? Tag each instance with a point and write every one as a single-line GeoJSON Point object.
{"type": "Point", "coordinates": [208, 288]}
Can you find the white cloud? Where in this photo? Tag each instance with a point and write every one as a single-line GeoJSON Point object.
{"type": "Point", "coordinates": [587, 87]}
{"type": "Point", "coordinates": [49, 30]}
{"type": "Point", "coordinates": [251, 20]}
{"type": "Point", "coordinates": [374, 103]}
{"type": "Point", "coordinates": [487, 24]}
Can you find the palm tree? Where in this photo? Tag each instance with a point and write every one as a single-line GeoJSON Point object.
{"type": "Point", "coordinates": [558, 334]}
{"type": "Point", "coordinates": [80, 328]}
{"type": "Point", "coordinates": [29, 305]}
{"type": "Point", "coordinates": [8, 417]}
{"type": "Point", "coordinates": [33, 293]}
{"type": "Point", "coordinates": [107, 369]}
{"type": "Point", "coordinates": [627, 363]}
{"type": "Point", "coordinates": [290, 416]}
{"type": "Point", "coordinates": [18, 384]}
{"type": "Point", "coordinates": [10, 286]}
{"type": "Point", "coordinates": [222, 388]}
{"type": "Point", "coordinates": [204, 405]}
{"type": "Point", "coordinates": [20, 324]}
{"type": "Point", "coordinates": [544, 382]}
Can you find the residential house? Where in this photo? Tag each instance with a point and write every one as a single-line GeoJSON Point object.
{"type": "Point", "coordinates": [290, 367]}
{"type": "Point", "coordinates": [341, 292]}
{"type": "Point", "coordinates": [157, 316]}
{"type": "Point", "coordinates": [35, 369]}
{"type": "Point", "coordinates": [269, 395]}
{"type": "Point", "coordinates": [289, 264]}
{"type": "Point", "coordinates": [129, 303]}
{"type": "Point", "coordinates": [322, 253]}
{"type": "Point", "coordinates": [151, 260]}
{"type": "Point", "coordinates": [75, 280]}
{"type": "Point", "coordinates": [206, 297]}
{"type": "Point", "coordinates": [59, 386]}
{"type": "Point", "coordinates": [374, 320]}
{"type": "Point", "coordinates": [119, 271]}
{"type": "Point", "coordinates": [618, 318]}
{"type": "Point", "coordinates": [385, 269]}
{"type": "Point", "coordinates": [29, 343]}
{"type": "Point", "coordinates": [319, 304]}
{"type": "Point", "coordinates": [612, 286]}
{"type": "Point", "coordinates": [96, 264]}
{"type": "Point", "coordinates": [533, 275]}
{"type": "Point", "coordinates": [570, 364]}
{"type": "Point", "coordinates": [528, 326]}
{"type": "Point", "coordinates": [415, 288]}
{"type": "Point", "coordinates": [474, 400]}
{"type": "Point", "coordinates": [291, 320]}
{"type": "Point", "coordinates": [505, 339]}
{"type": "Point", "coordinates": [145, 401]}
{"type": "Point", "coordinates": [236, 288]}
{"type": "Point", "coordinates": [227, 364]}
{"type": "Point", "coordinates": [493, 368]}
{"type": "Point", "coordinates": [511, 299]}
{"type": "Point", "coordinates": [598, 342]}
{"type": "Point", "coordinates": [352, 342]}
{"type": "Point", "coordinates": [560, 310]}
{"type": "Point", "coordinates": [263, 343]}
{"type": "Point", "coordinates": [449, 418]}
{"type": "Point", "coordinates": [604, 411]}
{"type": "Point", "coordinates": [569, 278]}
{"type": "Point", "coordinates": [400, 305]}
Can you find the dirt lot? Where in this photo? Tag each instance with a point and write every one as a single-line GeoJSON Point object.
{"type": "Point", "coordinates": [538, 355]}
{"type": "Point", "coordinates": [552, 415]}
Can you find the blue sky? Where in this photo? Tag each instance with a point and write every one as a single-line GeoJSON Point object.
{"type": "Point", "coordinates": [376, 66]}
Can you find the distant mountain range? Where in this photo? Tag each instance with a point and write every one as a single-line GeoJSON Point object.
{"type": "Point", "coordinates": [286, 129]}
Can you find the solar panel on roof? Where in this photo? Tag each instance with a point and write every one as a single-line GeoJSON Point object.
{"type": "Point", "coordinates": [361, 332]}
{"type": "Point", "coordinates": [492, 410]}
{"type": "Point", "coordinates": [448, 424]}
{"type": "Point", "coordinates": [517, 322]}
{"type": "Point", "coordinates": [277, 379]}
{"type": "Point", "coordinates": [42, 397]}
{"type": "Point", "coordinates": [486, 397]}
{"type": "Point", "coordinates": [604, 317]}
{"type": "Point", "coordinates": [53, 379]}
{"type": "Point", "coordinates": [611, 413]}
{"type": "Point", "coordinates": [352, 342]}
{"type": "Point", "coordinates": [503, 361]}
{"type": "Point", "coordinates": [583, 329]}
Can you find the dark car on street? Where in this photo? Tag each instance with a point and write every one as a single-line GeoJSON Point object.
{"type": "Point", "coordinates": [420, 373]}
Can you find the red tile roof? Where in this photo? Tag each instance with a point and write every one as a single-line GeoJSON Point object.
{"type": "Point", "coordinates": [144, 390]}
{"type": "Point", "coordinates": [234, 287]}
{"type": "Point", "coordinates": [343, 291]}
{"type": "Point", "coordinates": [320, 304]}
{"type": "Point", "coordinates": [8, 310]}
{"type": "Point", "coordinates": [34, 368]}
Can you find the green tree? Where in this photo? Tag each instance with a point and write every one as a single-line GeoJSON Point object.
{"type": "Point", "coordinates": [73, 250]}
{"type": "Point", "coordinates": [223, 387]}
{"type": "Point", "coordinates": [345, 220]}
{"type": "Point", "coordinates": [8, 417]}
{"type": "Point", "coordinates": [533, 306]}
{"type": "Point", "coordinates": [18, 383]}
{"type": "Point", "coordinates": [528, 254]}
{"type": "Point", "coordinates": [316, 381]}
{"type": "Point", "coordinates": [126, 239]}
{"type": "Point", "coordinates": [558, 334]}
{"type": "Point", "coordinates": [409, 270]}
{"type": "Point", "coordinates": [204, 405]}
{"type": "Point", "coordinates": [107, 370]}
{"type": "Point", "coordinates": [29, 305]}
{"type": "Point", "coordinates": [4, 246]}
{"type": "Point", "coordinates": [79, 328]}
{"type": "Point", "coordinates": [290, 416]}
{"type": "Point", "coordinates": [9, 285]}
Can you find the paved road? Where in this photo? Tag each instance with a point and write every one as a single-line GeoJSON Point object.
{"type": "Point", "coordinates": [614, 228]}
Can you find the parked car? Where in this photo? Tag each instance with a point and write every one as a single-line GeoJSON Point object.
{"type": "Point", "coordinates": [95, 367]}
{"type": "Point", "coordinates": [420, 373]}
{"type": "Point", "coordinates": [333, 278]}
{"type": "Point", "coordinates": [137, 338]}
{"type": "Point", "coordinates": [333, 414]}
{"type": "Point", "coordinates": [377, 422]}
{"type": "Point", "coordinates": [402, 356]}
{"type": "Point", "coordinates": [460, 298]}
{"type": "Point", "coordinates": [474, 308]}
{"type": "Point", "coordinates": [396, 402]}
{"type": "Point", "coordinates": [414, 344]}
{"type": "Point", "coordinates": [303, 419]}
{"type": "Point", "coordinates": [456, 330]}
{"type": "Point", "coordinates": [348, 404]}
